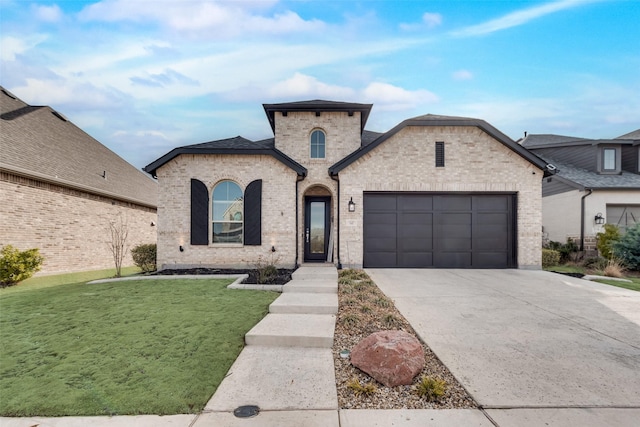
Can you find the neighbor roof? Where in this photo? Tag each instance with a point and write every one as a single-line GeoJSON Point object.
{"type": "Point", "coordinates": [582, 178]}
{"type": "Point", "coordinates": [631, 135]}
{"type": "Point", "coordinates": [318, 106]}
{"type": "Point", "coordinates": [237, 145]}
{"type": "Point", "coordinates": [40, 143]}
{"type": "Point", "coordinates": [533, 141]}
{"type": "Point", "coordinates": [437, 120]}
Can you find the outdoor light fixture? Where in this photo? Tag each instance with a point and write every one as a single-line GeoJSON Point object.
{"type": "Point", "coordinates": [599, 219]}
{"type": "Point", "coordinates": [181, 248]}
{"type": "Point", "coordinates": [273, 248]}
{"type": "Point", "coordinates": [352, 205]}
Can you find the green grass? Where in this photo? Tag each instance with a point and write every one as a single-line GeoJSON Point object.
{"type": "Point", "coordinates": [134, 347]}
{"type": "Point", "coordinates": [634, 285]}
{"type": "Point", "coordinates": [40, 282]}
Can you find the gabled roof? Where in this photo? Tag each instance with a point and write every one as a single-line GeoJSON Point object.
{"type": "Point", "coordinates": [437, 120]}
{"type": "Point", "coordinates": [582, 178]}
{"type": "Point", "coordinates": [40, 143]}
{"type": "Point", "coordinates": [631, 135]}
{"type": "Point", "coordinates": [317, 106]}
{"type": "Point", "coordinates": [534, 141]}
{"type": "Point", "coordinates": [237, 145]}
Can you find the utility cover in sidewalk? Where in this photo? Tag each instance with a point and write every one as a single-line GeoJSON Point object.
{"type": "Point", "coordinates": [247, 411]}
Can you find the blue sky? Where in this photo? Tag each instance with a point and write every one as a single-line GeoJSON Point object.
{"type": "Point", "coordinates": [144, 77]}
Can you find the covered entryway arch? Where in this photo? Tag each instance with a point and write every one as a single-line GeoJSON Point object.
{"type": "Point", "coordinates": [317, 224]}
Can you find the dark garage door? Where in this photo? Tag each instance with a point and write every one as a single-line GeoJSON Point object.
{"type": "Point", "coordinates": [418, 230]}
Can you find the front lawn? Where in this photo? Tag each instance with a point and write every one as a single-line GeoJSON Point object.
{"type": "Point", "coordinates": [634, 285]}
{"type": "Point", "coordinates": [135, 347]}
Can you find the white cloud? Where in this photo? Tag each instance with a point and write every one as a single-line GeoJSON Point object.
{"type": "Point", "coordinates": [12, 46]}
{"type": "Point", "coordinates": [208, 19]}
{"type": "Point", "coordinates": [303, 86]}
{"type": "Point", "coordinates": [47, 13]}
{"type": "Point", "coordinates": [389, 97]}
{"type": "Point", "coordinates": [462, 75]}
{"type": "Point", "coordinates": [517, 18]}
{"type": "Point", "coordinates": [432, 19]}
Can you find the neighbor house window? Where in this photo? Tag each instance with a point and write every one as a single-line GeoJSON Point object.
{"type": "Point", "coordinates": [227, 213]}
{"type": "Point", "coordinates": [439, 154]}
{"type": "Point", "coordinates": [317, 144]}
{"type": "Point", "coordinates": [609, 159]}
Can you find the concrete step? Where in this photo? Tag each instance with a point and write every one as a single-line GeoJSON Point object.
{"type": "Point", "coordinates": [315, 273]}
{"type": "Point", "coordinates": [278, 379]}
{"type": "Point", "coordinates": [319, 286]}
{"type": "Point", "coordinates": [305, 303]}
{"type": "Point", "coordinates": [293, 330]}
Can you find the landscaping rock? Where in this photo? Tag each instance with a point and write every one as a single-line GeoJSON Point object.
{"type": "Point", "coordinates": [391, 357]}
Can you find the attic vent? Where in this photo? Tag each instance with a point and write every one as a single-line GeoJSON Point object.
{"type": "Point", "coordinates": [10, 95]}
{"type": "Point", "coordinates": [60, 116]}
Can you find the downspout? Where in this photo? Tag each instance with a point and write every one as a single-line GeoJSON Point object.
{"type": "Point", "coordinates": [336, 178]}
{"type": "Point", "coordinates": [582, 218]}
{"type": "Point", "coordinates": [298, 179]}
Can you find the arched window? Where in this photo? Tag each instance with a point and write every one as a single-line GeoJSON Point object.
{"type": "Point", "coordinates": [227, 213]}
{"type": "Point", "coordinates": [317, 144]}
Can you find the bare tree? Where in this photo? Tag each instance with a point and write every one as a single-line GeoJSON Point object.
{"type": "Point", "coordinates": [118, 232]}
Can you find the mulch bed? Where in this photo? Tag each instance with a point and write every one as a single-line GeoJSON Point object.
{"type": "Point", "coordinates": [283, 276]}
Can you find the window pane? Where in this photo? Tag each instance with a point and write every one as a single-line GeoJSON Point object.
{"type": "Point", "coordinates": [227, 232]}
{"type": "Point", "coordinates": [227, 213]}
{"type": "Point", "coordinates": [317, 144]}
{"type": "Point", "coordinates": [609, 159]}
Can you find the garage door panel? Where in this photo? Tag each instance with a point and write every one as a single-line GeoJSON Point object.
{"type": "Point", "coordinates": [415, 202]}
{"type": "Point", "coordinates": [416, 260]}
{"type": "Point", "coordinates": [490, 203]}
{"type": "Point", "coordinates": [439, 230]}
{"type": "Point", "coordinates": [453, 259]}
{"type": "Point", "coordinates": [381, 202]}
{"type": "Point", "coordinates": [491, 259]}
{"type": "Point", "coordinates": [380, 259]}
{"type": "Point", "coordinates": [451, 203]}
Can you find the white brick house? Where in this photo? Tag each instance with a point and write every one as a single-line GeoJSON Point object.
{"type": "Point", "coordinates": [434, 191]}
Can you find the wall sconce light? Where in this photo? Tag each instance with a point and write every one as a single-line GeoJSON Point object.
{"type": "Point", "coordinates": [273, 248]}
{"type": "Point", "coordinates": [181, 248]}
{"type": "Point", "coordinates": [599, 219]}
{"type": "Point", "coordinates": [352, 205]}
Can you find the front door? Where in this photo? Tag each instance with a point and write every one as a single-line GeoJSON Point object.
{"type": "Point", "coordinates": [317, 226]}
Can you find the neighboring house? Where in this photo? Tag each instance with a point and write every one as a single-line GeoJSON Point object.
{"type": "Point", "coordinates": [60, 189]}
{"type": "Point", "coordinates": [434, 191]}
{"type": "Point", "coordinates": [597, 181]}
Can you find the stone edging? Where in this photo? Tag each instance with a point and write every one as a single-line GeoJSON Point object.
{"type": "Point", "coordinates": [237, 284]}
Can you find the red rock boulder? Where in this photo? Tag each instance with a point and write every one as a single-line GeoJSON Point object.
{"type": "Point", "coordinates": [391, 357]}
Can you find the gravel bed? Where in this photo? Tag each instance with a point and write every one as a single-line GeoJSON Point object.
{"type": "Point", "coordinates": [363, 310]}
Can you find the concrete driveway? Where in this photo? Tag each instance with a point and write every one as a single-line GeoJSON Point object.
{"type": "Point", "coordinates": [521, 339]}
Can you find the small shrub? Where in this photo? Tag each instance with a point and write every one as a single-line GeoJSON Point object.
{"type": "Point", "coordinates": [16, 265]}
{"type": "Point", "coordinates": [266, 270]}
{"type": "Point", "coordinates": [350, 302]}
{"type": "Point", "coordinates": [550, 257]}
{"type": "Point", "coordinates": [345, 280]}
{"type": "Point", "coordinates": [350, 319]}
{"type": "Point", "coordinates": [614, 268]}
{"type": "Point", "coordinates": [606, 240]}
{"type": "Point", "coordinates": [595, 263]}
{"type": "Point", "coordinates": [144, 256]}
{"type": "Point", "coordinates": [360, 389]}
{"type": "Point", "coordinates": [363, 296]}
{"type": "Point", "coordinates": [353, 274]}
{"type": "Point", "coordinates": [389, 320]}
{"type": "Point", "coordinates": [627, 249]}
{"type": "Point", "coordinates": [430, 388]}
{"type": "Point", "coordinates": [566, 250]}
{"type": "Point", "coordinates": [382, 302]}
{"type": "Point", "coordinates": [365, 308]}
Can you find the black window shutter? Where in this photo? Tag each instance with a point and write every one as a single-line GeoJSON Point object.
{"type": "Point", "coordinates": [199, 213]}
{"type": "Point", "coordinates": [253, 213]}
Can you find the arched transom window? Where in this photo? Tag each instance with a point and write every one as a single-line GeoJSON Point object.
{"type": "Point", "coordinates": [227, 213]}
{"type": "Point", "coordinates": [317, 144]}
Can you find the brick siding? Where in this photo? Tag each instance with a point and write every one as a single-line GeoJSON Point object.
{"type": "Point", "coordinates": [69, 227]}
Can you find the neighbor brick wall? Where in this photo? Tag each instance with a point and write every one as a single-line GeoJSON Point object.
{"type": "Point", "coordinates": [69, 227]}
{"type": "Point", "coordinates": [474, 162]}
{"type": "Point", "coordinates": [278, 207]}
